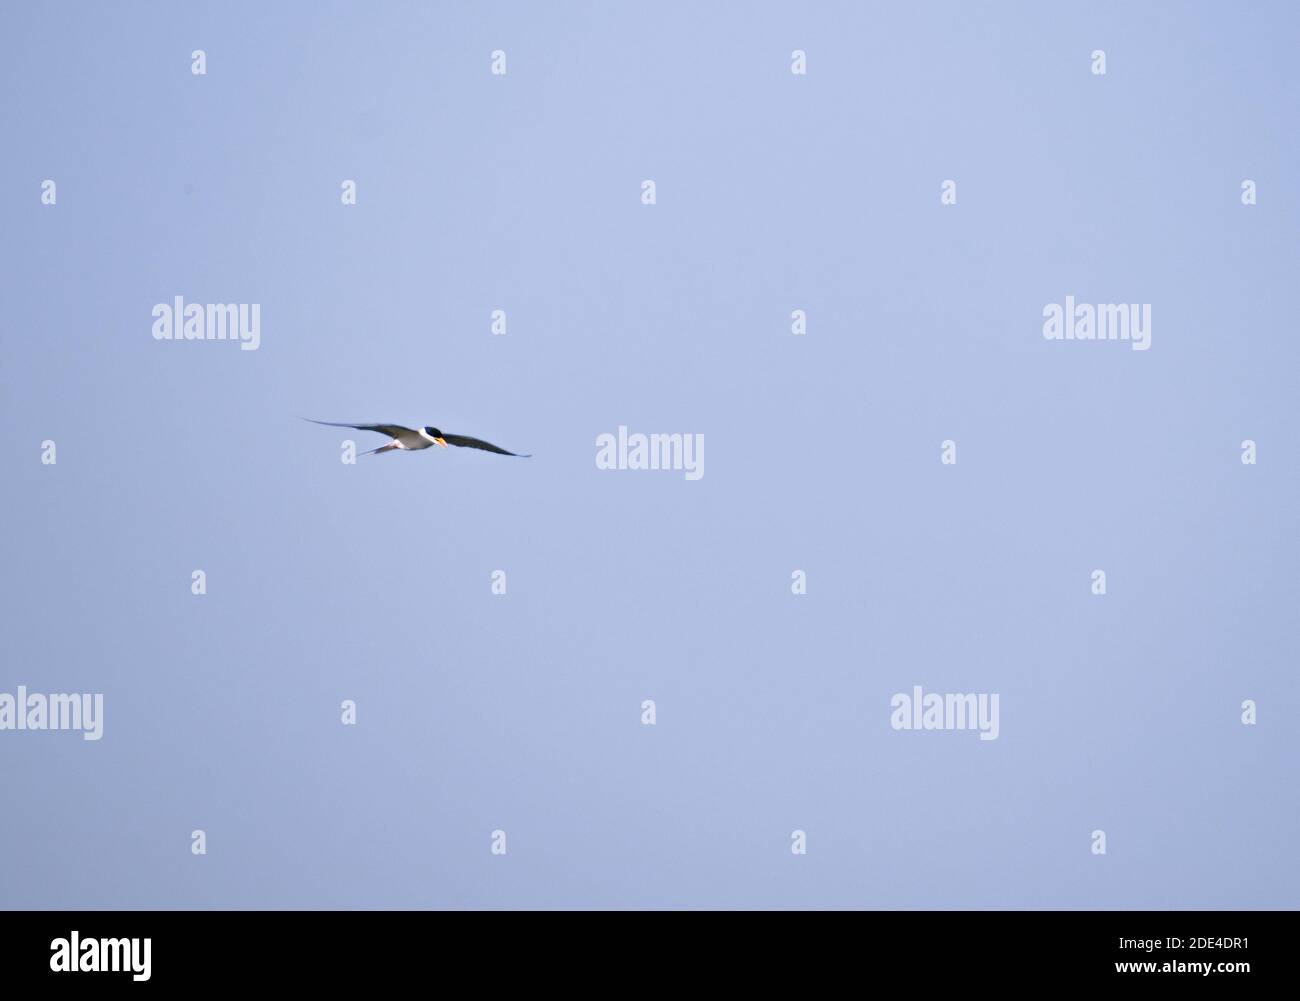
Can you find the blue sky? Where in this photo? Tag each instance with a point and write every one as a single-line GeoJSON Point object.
{"type": "Point", "coordinates": [521, 712]}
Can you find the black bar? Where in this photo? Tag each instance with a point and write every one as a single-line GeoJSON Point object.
{"type": "Point", "coordinates": [369, 948]}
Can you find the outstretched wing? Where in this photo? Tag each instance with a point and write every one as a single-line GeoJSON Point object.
{"type": "Point", "coordinates": [392, 430]}
{"type": "Point", "coordinates": [464, 441]}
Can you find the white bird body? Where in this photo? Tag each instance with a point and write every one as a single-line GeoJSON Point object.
{"type": "Point", "coordinates": [414, 440]}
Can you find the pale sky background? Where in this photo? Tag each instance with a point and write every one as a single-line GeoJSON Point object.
{"type": "Point", "coordinates": [775, 192]}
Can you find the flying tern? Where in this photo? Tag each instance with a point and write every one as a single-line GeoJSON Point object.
{"type": "Point", "coordinates": [414, 439]}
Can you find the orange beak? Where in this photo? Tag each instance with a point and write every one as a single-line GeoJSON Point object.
{"type": "Point", "coordinates": [441, 441]}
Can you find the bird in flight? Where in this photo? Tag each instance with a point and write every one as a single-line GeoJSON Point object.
{"type": "Point", "coordinates": [414, 439]}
